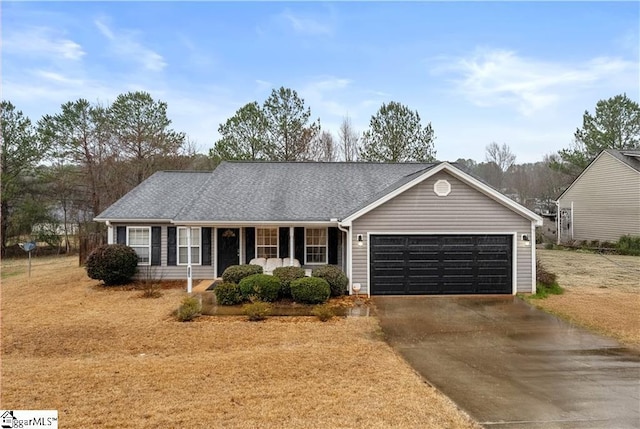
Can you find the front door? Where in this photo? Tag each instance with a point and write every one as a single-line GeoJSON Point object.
{"type": "Point", "coordinates": [228, 248]}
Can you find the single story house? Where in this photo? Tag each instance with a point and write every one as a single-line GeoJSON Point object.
{"type": "Point", "coordinates": [603, 203]}
{"type": "Point", "coordinates": [395, 229]}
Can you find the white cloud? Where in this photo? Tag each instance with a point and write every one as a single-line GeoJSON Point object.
{"type": "Point", "coordinates": [307, 25]}
{"type": "Point", "coordinates": [41, 42]}
{"type": "Point", "coordinates": [124, 44]}
{"type": "Point", "coordinates": [499, 77]}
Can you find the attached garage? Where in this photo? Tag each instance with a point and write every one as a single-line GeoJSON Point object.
{"type": "Point", "coordinates": [440, 264]}
{"type": "Point", "coordinates": [442, 232]}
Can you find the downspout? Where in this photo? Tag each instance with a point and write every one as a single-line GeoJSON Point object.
{"type": "Point", "coordinates": [348, 253]}
{"type": "Point", "coordinates": [558, 231]}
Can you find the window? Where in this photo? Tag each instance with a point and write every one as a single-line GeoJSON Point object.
{"type": "Point", "coordinates": [266, 242]}
{"type": "Point", "coordinates": [183, 246]}
{"type": "Point", "coordinates": [139, 239]}
{"type": "Point", "coordinates": [315, 249]}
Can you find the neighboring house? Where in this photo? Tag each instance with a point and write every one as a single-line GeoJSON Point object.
{"type": "Point", "coordinates": [394, 228]}
{"type": "Point", "coordinates": [603, 203]}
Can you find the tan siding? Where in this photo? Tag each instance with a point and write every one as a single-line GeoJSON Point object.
{"type": "Point", "coordinates": [606, 201]}
{"type": "Point", "coordinates": [464, 210]}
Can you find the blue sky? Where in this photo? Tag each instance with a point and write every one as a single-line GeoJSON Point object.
{"type": "Point", "coordinates": [511, 72]}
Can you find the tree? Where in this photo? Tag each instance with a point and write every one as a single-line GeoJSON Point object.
{"type": "Point", "coordinates": [348, 140]}
{"type": "Point", "coordinates": [140, 127]}
{"type": "Point", "coordinates": [289, 132]}
{"type": "Point", "coordinates": [323, 148]}
{"type": "Point", "coordinates": [500, 155]}
{"type": "Point", "coordinates": [502, 158]}
{"type": "Point", "coordinates": [21, 152]}
{"type": "Point", "coordinates": [396, 134]}
{"type": "Point", "coordinates": [243, 135]}
{"type": "Point", "coordinates": [615, 125]}
{"type": "Point", "coordinates": [78, 135]}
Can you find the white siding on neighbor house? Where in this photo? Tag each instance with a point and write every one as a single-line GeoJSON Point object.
{"type": "Point", "coordinates": [606, 201]}
{"type": "Point", "coordinates": [174, 272]}
{"type": "Point", "coordinates": [464, 210]}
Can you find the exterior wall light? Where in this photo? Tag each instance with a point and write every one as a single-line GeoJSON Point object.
{"type": "Point", "coordinates": [359, 238]}
{"type": "Point", "coordinates": [525, 240]}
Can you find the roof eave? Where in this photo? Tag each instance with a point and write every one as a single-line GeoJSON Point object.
{"type": "Point", "coordinates": [456, 172]}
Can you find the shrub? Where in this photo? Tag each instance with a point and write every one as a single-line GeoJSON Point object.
{"type": "Point", "coordinates": [228, 294]}
{"type": "Point", "coordinates": [549, 246]}
{"type": "Point", "coordinates": [543, 276]}
{"type": "Point", "coordinates": [286, 275]}
{"type": "Point", "coordinates": [310, 290]}
{"type": "Point", "coordinates": [114, 264]}
{"type": "Point", "coordinates": [323, 312]}
{"type": "Point", "coordinates": [629, 245]}
{"type": "Point", "coordinates": [262, 286]}
{"type": "Point", "coordinates": [189, 309]}
{"type": "Point", "coordinates": [337, 279]}
{"type": "Point", "coordinates": [256, 311]}
{"type": "Point", "coordinates": [235, 273]}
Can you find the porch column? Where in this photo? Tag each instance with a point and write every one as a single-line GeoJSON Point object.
{"type": "Point", "coordinates": [109, 233]}
{"type": "Point", "coordinates": [292, 254]}
{"type": "Point", "coordinates": [189, 277]}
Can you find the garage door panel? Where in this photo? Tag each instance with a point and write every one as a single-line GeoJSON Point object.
{"type": "Point", "coordinates": [433, 264]}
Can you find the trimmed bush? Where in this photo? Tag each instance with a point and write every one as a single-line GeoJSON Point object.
{"type": "Point", "coordinates": [323, 312]}
{"type": "Point", "coordinates": [114, 264]}
{"type": "Point", "coordinates": [286, 275]}
{"type": "Point", "coordinates": [189, 309]}
{"type": "Point", "coordinates": [629, 245]}
{"type": "Point", "coordinates": [337, 279]}
{"type": "Point", "coordinates": [543, 276]}
{"type": "Point", "coordinates": [310, 290]}
{"type": "Point", "coordinates": [228, 294]}
{"type": "Point", "coordinates": [257, 311]}
{"type": "Point", "coordinates": [261, 286]}
{"type": "Point", "coordinates": [235, 273]}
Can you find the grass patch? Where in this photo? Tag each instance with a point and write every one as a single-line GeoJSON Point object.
{"type": "Point", "coordinates": [90, 351]}
{"type": "Point", "coordinates": [543, 291]}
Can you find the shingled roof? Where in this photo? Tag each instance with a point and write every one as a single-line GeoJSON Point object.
{"type": "Point", "coordinates": [629, 157]}
{"type": "Point", "coordinates": [262, 192]}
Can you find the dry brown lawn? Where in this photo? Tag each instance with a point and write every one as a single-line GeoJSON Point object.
{"type": "Point", "coordinates": [601, 292]}
{"type": "Point", "coordinates": [108, 358]}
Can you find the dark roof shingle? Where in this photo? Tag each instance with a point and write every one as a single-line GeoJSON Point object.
{"type": "Point", "coordinates": [263, 191]}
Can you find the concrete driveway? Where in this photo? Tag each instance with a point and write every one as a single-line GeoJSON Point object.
{"type": "Point", "coordinates": [511, 366]}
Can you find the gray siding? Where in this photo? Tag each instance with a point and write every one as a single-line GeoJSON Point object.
{"type": "Point", "coordinates": [464, 210]}
{"type": "Point", "coordinates": [175, 272]}
{"type": "Point", "coordinates": [606, 201]}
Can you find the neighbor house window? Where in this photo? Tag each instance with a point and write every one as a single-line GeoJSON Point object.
{"type": "Point", "coordinates": [315, 249]}
{"type": "Point", "coordinates": [183, 247]}
{"type": "Point", "coordinates": [266, 242]}
{"type": "Point", "coordinates": [139, 239]}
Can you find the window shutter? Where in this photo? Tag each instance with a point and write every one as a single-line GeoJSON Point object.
{"type": "Point", "coordinates": [283, 242]}
{"type": "Point", "coordinates": [250, 246]}
{"type": "Point", "coordinates": [155, 245]}
{"type": "Point", "coordinates": [298, 233]}
{"type": "Point", "coordinates": [121, 235]}
{"type": "Point", "coordinates": [332, 242]}
{"type": "Point", "coordinates": [206, 246]}
{"type": "Point", "coordinates": [171, 245]}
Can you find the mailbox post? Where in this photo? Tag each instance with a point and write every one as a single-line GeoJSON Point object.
{"type": "Point", "coordinates": [28, 247]}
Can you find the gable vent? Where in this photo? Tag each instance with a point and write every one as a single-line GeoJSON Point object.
{"type": "Point", "coordinates": [442, 188]}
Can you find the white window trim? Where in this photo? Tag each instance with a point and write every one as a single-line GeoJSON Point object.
{"type": "Point", "coordinates": [277, 240]}
{"type": "Point", "coordinates": [148, 228]}
{"type": "Point", "coordinates": [326, 246]}
{"type": "Point", "coordinates": [178, 245]}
